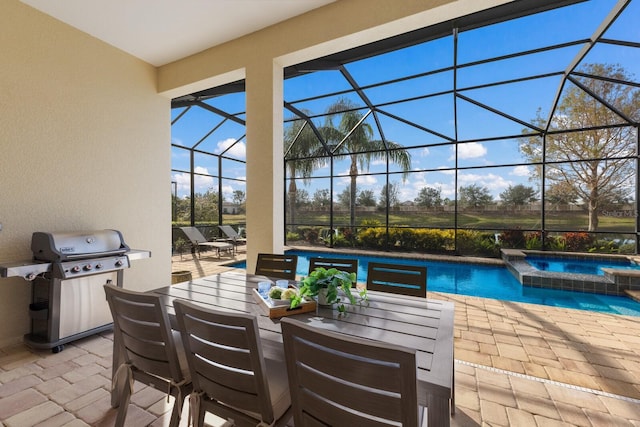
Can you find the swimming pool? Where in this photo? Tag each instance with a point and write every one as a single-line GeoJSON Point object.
{"type": "Point", "coordinates": [484, 281]}
{"type": "Point", "coordinates": [579, 266]}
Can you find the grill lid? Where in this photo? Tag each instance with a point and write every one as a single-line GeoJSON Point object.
{"type": "Point", "coordinates": [75, 245]}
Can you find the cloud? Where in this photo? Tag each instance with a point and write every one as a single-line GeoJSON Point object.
{"type": "Point", "coordinates": [201, 183]}
{"type": "Point", "coordinates": [495, 183]}
{"type": "Point", "coordinates": [239, 150]}
{"type": "Point", "coordinates": [227, 192]}
{"type": "Point", "coordinates": [521, 171]}
{"type": "Point", "coordinates": [470, 150]}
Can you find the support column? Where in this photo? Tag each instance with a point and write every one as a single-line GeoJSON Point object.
{"type": "Point", "coordinates": [265, 166]}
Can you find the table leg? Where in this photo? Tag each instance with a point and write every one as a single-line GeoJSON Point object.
{"type": "Point", "coordinates": [453, 389]}
{"type": "Point", "coordinates": [438, 411]}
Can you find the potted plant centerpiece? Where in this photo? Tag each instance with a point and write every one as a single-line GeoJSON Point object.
{"type": "Point", "coordinates": [325, 284]}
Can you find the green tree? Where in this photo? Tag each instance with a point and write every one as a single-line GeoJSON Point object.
{"type": "Point", "coordinates": [321, 198]}
{"type": "Point", "coordinates": [474, 196]}
{"type": "Point", "coordinates": [592, 157]}
{"type": "Point", "coordinates": [429, 197]}
{"type": "Point", "coordinates": [302, 197]}
{"type": "Point", "coordinates": [391, 195]}
{"type": "Point", "coordinates": [182, 208]}
{"type": "Point", "coordinates": [352, 138]}
{"type": "Point", "coordinates": [518, 195]}
{"type": "Point", "coordinates": [206, 206]}
{"type": "Point", "coordinates": [560, 193]}
{"type": "Point", "coordinates": [366, 198]}
{"type": "Point", "coordinates": [238, 197]}
{"type": "Point", "coordinates": [344, 197]}
{"type": "Point", "coordinates": [300, 147]}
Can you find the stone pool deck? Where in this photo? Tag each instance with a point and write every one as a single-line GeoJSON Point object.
{"type": "Point", "coordinates": [516, 365]}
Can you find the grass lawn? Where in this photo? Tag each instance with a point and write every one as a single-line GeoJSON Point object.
{"type": "Point", "coordinates": [499, 220]}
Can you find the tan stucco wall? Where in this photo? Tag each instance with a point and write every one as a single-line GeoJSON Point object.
{"type": "Point", "coordinates": [84, 140]}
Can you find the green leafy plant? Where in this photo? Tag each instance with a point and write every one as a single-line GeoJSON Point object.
{"type": "Point", "coordinates": [332, 280]}
{"type": "Point", "coordinates": [180, 245]}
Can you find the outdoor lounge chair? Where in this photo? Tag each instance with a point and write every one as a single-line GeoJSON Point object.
{"type": "Point", "coordinates": [232, 235]}
{"type": "Point", "coordinates": [199, 241]}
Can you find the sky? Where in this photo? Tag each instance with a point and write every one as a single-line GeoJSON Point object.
{"type": "Point", "coordinates": [433, 163]}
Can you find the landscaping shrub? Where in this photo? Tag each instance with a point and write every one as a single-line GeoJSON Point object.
{"type": "Point", "coordinates": [513, 239]}
{"type": "Point", "coordinates": [293, 236]}
{"type": "Point", "coordinates": [311, 235]}
{"type": "Point", "coordinates": [578, 242]}
{"type": "Point", "coordinates": [476, 243]}
{"type": "Point", "coordinates": [533, 240]}
{"type": "Point", "coordinates": [435, 240]}
{"type": "Point", "coordinates": [372, 237]}
{"type": "Point", "coordinates": [340, 241]}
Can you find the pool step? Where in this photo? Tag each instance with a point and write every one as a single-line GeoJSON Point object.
{"type": "Point", "coordinates": [635, 295]}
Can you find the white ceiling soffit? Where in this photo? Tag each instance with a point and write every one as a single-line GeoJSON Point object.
{"type": "Point", "coordinates": [163, 31]}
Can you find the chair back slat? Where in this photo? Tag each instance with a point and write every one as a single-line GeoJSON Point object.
{"type": "Point", "coordinates": [141, 329]}
{"type": "Point", "coordinates": [350, 265]}
{"type": "Point", "coordinates": [396, 278]}
{"type": "Point", "coordinates": [344, 380]}
{"type": "Point", "coordinates": [371, 372]}
{"type": "Point", "coordinates": [282, 266]}
{"type": "Point", "coordinates": [229, 346]}
{"type": "Point", "coordinates": [222, 379]}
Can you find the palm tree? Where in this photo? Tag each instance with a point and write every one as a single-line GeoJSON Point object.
{"type": "Point", "coordinates": [300, 146]}
{"type": "Point", "coordinates": [352, 138]}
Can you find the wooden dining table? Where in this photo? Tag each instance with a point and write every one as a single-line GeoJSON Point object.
{"type": "Point", "coordinates": [425, 325]}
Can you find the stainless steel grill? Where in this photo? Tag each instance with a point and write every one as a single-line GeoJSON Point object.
{"type": "Point", "coordinates": [67, 273]}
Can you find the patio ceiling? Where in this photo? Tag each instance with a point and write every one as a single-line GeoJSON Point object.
{"type": "Point", "coordinates": [163, 31]}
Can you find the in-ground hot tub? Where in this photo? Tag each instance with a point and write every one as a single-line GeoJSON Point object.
{"type": "Point", "coordinates": [584, 272]}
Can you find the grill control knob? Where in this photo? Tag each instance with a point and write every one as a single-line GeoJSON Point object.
{"type": "Point", "coordinates": [75, 268]}
{"type": "Point", "coordinates": [98, 266]}
{"type": "Point", "coordinates": [118, 263]}
{"type": "Point", "coordinates": [87, 267]}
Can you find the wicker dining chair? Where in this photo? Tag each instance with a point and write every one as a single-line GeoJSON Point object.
{"type": "Point", "coordinates": [398, 279]}
{"type": "Point", "coordinates": [282, 266]}
{"type": "Point", "coordinates": [340, 380]}
{"type": "Point", "coordinates": [236, 376]}
{"type": "Point", "coordinates": [152, 354]}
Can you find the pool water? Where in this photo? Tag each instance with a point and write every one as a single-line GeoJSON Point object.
{"type": "Point", "coordinates": [484, 281]}
{"type": "Point", "coordinates": [582, 266]}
